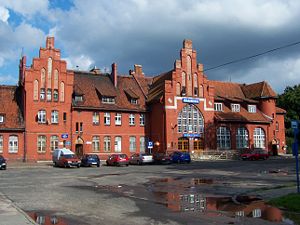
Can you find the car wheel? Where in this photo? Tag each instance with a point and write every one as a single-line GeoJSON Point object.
{"type": "Point", "coordinates": [127, 164]}
{"type": "Point", "coordinates": [139, 162]}
{"type": "Point", "coordinates": [4, 168]}
{"type": "Point", "coordinates": [66, 165]}
{"type": "Point", "coordinates": [78, 166]}
{"type": "Point", "coordinates": [98, 165]}
{"type": "Point", "coordinates": [55, 164]}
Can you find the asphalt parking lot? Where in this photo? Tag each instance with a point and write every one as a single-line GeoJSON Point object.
{"type": "Point", "coordinates": [203, 192]}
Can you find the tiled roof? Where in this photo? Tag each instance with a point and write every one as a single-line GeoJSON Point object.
{"type": "Point", "coordinates": [242, 116]}
{"type": "Point", "coordinates": [227, 89]}
{"type": "Point", "coordinates": [93, 86]}
{"type": "Point", "coordinates": [259, 90]}
{"type": "Point", "coordinates": [13, 119]}
{"type": "Point", "coordinates": [280, 111]}
{"type": "Point", "coordinates": [131, 93]}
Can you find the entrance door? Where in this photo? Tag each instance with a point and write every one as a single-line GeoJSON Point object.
{"type": "Point", "coordinates": [79, 150]}
{"type": "Point", "coordinates": [183, 144]}
{"type": "Point", "coordinates": [198, 146]}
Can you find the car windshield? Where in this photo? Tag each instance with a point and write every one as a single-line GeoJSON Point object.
{"type": "Point", "coordinates": [92, 156]}
{"type": "Point", "coordinates": [122, 156]}
{"type": "Point", "coordinates": [69, 156]}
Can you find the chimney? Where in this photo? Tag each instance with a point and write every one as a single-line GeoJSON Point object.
{"type": "Point", "coordinates": [114, 74]}
{"type": "Point", "coordinates": [188, 44]}
{"type": "Point", "coordinates": [50, 42]}
{"type": "Point", "coordinates": [138, 70]}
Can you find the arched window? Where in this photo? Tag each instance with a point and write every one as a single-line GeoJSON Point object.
{"type": "Point", "coordinates": [223, 138]}
{"type": "Point", "coordinates": [36, 90]}
{"type": "Point", "coordinates": [190, 120]}
{"type": "Point", "coordinates": [242, 138]}
{"type": "Point", "coordinates": [53, 142]}
{"type": "Point", "coordinates": [41, 143]}
{"type": "Point", "coordinates": [178, 89]}
{"type": "Point", "coordinates": [195, 82]}
{"type": "Point", "coordinates": [55, 84]}
{"type": "Point", "coordinates": [49, 78]}
{"type": "Point", "coordinates": [62, 92]}
{"type": "Point", "coordinates": [43, 78]}
{"type": "Point", "coordinates": [259, 138]}
{"type": "Point", "coordinates": [183, 83]}
{"type": "Point", "coordinates": [189, 75]}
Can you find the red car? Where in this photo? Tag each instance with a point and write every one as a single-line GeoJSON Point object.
{"type": "Point", "coordinates": [117, 160]}
{"type": "Point", "coordinates": [255, 155]}
{"type": "Point", "coordinates": [69, 160]}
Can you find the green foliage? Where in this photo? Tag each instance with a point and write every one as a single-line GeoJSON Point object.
{"type": "Point", "coordinates": [290, 202]}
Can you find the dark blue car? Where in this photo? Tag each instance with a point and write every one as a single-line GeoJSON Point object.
{"type": "Point", "coordinates": [180, 157]}
{"type": "Point", "coordinates": [90, 160]}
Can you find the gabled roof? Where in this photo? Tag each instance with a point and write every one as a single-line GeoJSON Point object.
{"type": "Point", "coordinates": [259, 90]}
{"type": "Point", "coordinates": [227, 89]}
{"type": "Point", "coordinates": [13, 119]}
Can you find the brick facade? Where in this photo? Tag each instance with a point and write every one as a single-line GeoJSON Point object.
{"type": "Point", "coordinates": [180, 109]}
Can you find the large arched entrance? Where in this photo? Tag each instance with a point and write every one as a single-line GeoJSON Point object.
{"type": "Point", "coordinates": [190, 124]}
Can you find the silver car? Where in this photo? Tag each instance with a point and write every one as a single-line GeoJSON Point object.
{"type": "Point", "coordinates": [140, 158]}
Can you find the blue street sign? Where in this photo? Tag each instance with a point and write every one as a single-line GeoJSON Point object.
{"type": "Point", "coordinates": [150, 144]}
{"type": "Point", "coordinates": [294, 124]}
{"type": "Point", "coordinates": [64, 136]}
{"type": "Point", "coordinates": [191, 135]}
{"type": "Point", "coordinates": [191, 100]}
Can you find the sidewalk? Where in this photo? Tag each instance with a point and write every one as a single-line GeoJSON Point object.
{"type": "Point", "coordinates": [42, 164]}
{"type": "Point", "coordinates": [10, 214]}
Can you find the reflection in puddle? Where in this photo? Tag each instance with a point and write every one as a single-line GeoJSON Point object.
{"type": "Point", "coordinates": [46, 219]}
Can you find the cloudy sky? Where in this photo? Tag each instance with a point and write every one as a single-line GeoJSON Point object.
{"type": "Point", "coordinates": [150, 32]}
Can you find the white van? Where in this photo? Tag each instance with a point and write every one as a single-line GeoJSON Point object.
{"type": "Point", "coordinates": [61, 153]}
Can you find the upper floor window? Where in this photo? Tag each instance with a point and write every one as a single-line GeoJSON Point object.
{"type": "Point", "coordinates": [42, 116]}
{"type": "Point", "coordinates": [252, 108]}
{"type": "Point", "coordinates": [218, 107]}
{"type": "Point", "coordinates": [42, 94]}
{"type": "Point", "coordinates": [1, 118]}
{"type": "Point", "coordinates": [64, 116]}
{"type": "Point", "coordinates": [49, 94]}
{"type": "Point", "coordinates": [55, 95]}
{"type": "Point", "coordinates": [108, 100]}
{"type": "Point", "coordinates": [78, 98]}
{"type": "Point", "coordinates": [36, 90]}
{"type": "Point", "coordinates": [96, 118]}
{"type": "Point", "coordinates": [131, 119]}
{"type": "Point", "coordinates": [13, 144]}
{"type": "Point", "coordinates": [277, 126]}
{"type": "Point", "coordinates": [134, 101]}
{"type": "Point", "coordinates": [142, 119]}
{"type": "Point", "coordinates": [235, 107]}
{"type": "Point", "coordinates": [106, 118]}
{"type": "Point", "coordinates": [43, 78]}
{"type": "Point", "coordinates": [49, 72]}
{"type": "Point", "coordinates": [62, 91]}
{"type": "Point", "coordinates": [54, 116]}
{"type": "Point", "coordinates": [118, 119]}
{"type": "Point", "coordinates": [195, 81]}
{"type": "Point", "coordinates": [55, 84]}
{"type": "Point", "coordinates": [178, 89]}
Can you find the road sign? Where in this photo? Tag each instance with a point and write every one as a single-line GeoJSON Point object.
{"type": "Point", "coordinates": [150, 144]}
{"type": "Point", "coordinates": [294, 124]}
{"type": "Point", "coordinates": [68, 143]}
{"type": "Point", "coordinates": [64, 136]}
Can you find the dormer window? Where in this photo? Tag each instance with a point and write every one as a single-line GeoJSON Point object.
{"type": "Point", "coordinates": [235, 107]}
{"type": "Point", "coordinates": [252, 108]}
{"type": "Point", "coordinates": [78, 98]}
{"type": "Point", "coordinates": [218, 107]}
{"type": "Point", "coordinates": [134, 101]}
{"type": "Point", "coordinates": [1, 118]}
{"type": "Point", "coordinates": [108, 100]}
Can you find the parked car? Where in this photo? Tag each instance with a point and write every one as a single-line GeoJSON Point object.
{"type": "Point", "coordinates": [117, 160]}
{"type": "Point", "coordinates": [255, 155]}
{"type": "Point", "coordinates": [65, 158]}
{"type": "Point", "coordinates": [3, 163]}
{"type": "Point", "coordinates": [140, 158]}
{"type": "Point", "coordinates": [180, 157]}
{"type": "Point", "coordinates": [161, 158]}
{"type": "Point", "coordinates": [90, 160]}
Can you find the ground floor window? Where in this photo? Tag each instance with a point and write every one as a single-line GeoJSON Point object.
{"type": "Point", "coordinates": [142, 145]}
{"type": "Point", "coordinates": [96, 144]}
{"type": "Point", "coordinates": [242, 139]}
{"type": "Point", "coordinates": [107, 143]}
{"type": "Point", "coordinates": [223, 138]}
{"type": "Point", "coordinates": [198, 144]}
{"type": "Point", "coordinates": [183, 144]}
{"type": "Point", "coordinates": [53, 142]}
{"type": "Point", "coordinates": [118, 144]}
{"type": "Point", "coordinates": [41, 143]}
{"type": "Point", "coordinates": [13, 144]}
{"type": "Point", "coordinates": [259, 138]}
{"type": "Point", "coordinates": [1, 143]}
{"type": "Point", "coordinates": [132, 144]}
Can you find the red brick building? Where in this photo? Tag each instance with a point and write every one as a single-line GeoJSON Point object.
{"type": "Point", "coordinates": [91, 111]}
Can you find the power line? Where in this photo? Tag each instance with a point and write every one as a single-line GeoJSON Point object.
{"type": "Point", "coordinates": [253, 56]}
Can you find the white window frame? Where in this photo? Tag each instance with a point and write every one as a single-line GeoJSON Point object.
{"type": "Point", "coordinates": [191, 120]}
{"type": "Point", "coordinates": [252, 108]}
{"type": "Point", "coordinates": [235, 107]}
{"type": "Point", "coordinates": [78, 98]}
{"type": "Point", "coordinates": [118, 119]}
{"type": "Point", "coordinates": [218, 107]}
{"type": "Point", "coordinates": [96, 118]}
{"type": "Point", "coordinates": [42, 116]}
{"type": "Point", "coordinates": [242, 138]}
{"type": "Point", "coordinates": [96, 144]}
{"type": "Point", "coordinates": [42, 94]}
{"type": "Point", "coordinates": [223, 138]}
{"type": "Point", "coordinates": [142, 144]}
{"type": "Point", "coordinates": [118, 144]}
{"type": "Point", "coordinates": [131, 119]}
{"type": "Point", "coordinates": [142, 119]}
{"type": "Point", "coordinates": [107, 119]}
{"type": "Point", "coordinates": [259, 138]}
{"type": "Point", "coordinates": [108, 100]}
{"type": "Point", "coordinates": [41, 143]}
{"type": "Point", "coordinates": [49, 94]}
{"type": "Point", "coordinates": [107, 143]}
{"type": "Point", "coordinates": [132, 144]}
{"type": "Point", "coordinates": [13, 144]}
{"type": "Point", "coordinates": [54, 116]}
{"type": "Point", "coordinates": [1, 119]}
{"type": "Point", "coordinates": [1, 143]}
{"type": "Point", "coordinates": [256, 213]}
{"type": "Point", "coordinates": [55, 95]}
{"type": "Point", "coordinates": [134, 101]}
{"type": "Point", "coordinates": [53, 142]}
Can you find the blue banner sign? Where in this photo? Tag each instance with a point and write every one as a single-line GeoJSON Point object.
{"type": "Point", "coordinates": [191, 135]}
{"type": "Point", "coordinates": [191, 100]}
{"type": "Point", "coordinates": [64, 136]}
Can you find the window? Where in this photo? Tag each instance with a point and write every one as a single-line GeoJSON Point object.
{"type": "Point", "coordinates": [235, 107]}
{"type": "Point", "coordinates": [183, 83]}
{"type": "Point", "coordinates": [195, 81]}
{"type": "Point", "coordinates": [277, 126]}
{"type": "Point", "coordinates": [64, 116]}
{"type": "Point", "coordinates": [132, 144]}
{"type": "Point", "coordinates": [77, 127]}
{"type": "Point", "coordinates": [49, 72]}
{"type": "Point", "coordinates": [1, 143]}
{"type": "Point", "coordinates": [107, 143]}
{"type": "Point", "coordinates": [134, 101]}
{"type": "Point", "coordinates": [252, 108]}
{"type": "Point", "coordinates": [43, 78]}
{"type": "Point", "coordinates": [54, 116]}
{"type": "Point", "coordinates": [218, 107]}
{"type": "Point", "coordinates": [96, 118]}
{"type": "Point", "coordinates": [42, 94]}
{"type": "Point", "coordinates": [36, 90]}
{"type": "Point", "coordinates": [96, 144]}
{"type": "Point", "coordinates": [62, 92]}
{"type": "Point", "coordinates": [190, 120]}
{"type": "Point", "coordinates": [53, 142]}
{"type": "Point", "coordinates": [55, 95]}
{"type": "Point", "coordinates": [42, 116]}
{"type": "Point", "coordinates": [108, 100]}
{"type": "Point", "coordinates": [242, 138]}
{"type": "Point", "coordinates": [223, 138]}
{"type": "Point", "coordinates": [259, 138]}
{"type": "Point", "coordinates": [118, 119]}
{"type": "Point", "coordinates": [41, 143]}
{"type": "Point", "coordinates": [131, 120]}
{"type": "Point", "coordinates": [118, 144]}
{"type": "Point", "coordinates": [107, 119]}
{"type": "Point", "coordinates": [81, 127]}
{"type": "Point", "coordinates": [55, 84]}
{"type": "Point", "coordinates": [142, 119]}
{"type": "Point", "coordinates": [49, 94]}
{"type": "Point", "coordinates": [13, 144]}
{"type": "Point", "coordinates": [142, 145]}
{"type": "Point", "coordinates": [78, 98]}
{"type": "Point", "coordinates": [178, 89]}
{"type": "Point", "coordinates": [1, 118]}
{"type": "Point", "coordinates": [256, 213]}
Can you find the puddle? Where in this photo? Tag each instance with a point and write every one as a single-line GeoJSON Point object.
{"type": "Point", "coordinates": [42, 218]}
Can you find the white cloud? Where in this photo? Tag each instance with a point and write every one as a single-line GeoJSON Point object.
{"type": "Point", "coordinates": [4, 14]}
{"type": "Point", "coordinates": [8, 79]}
{"type": "Point", "coordinates": [81, 62]}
